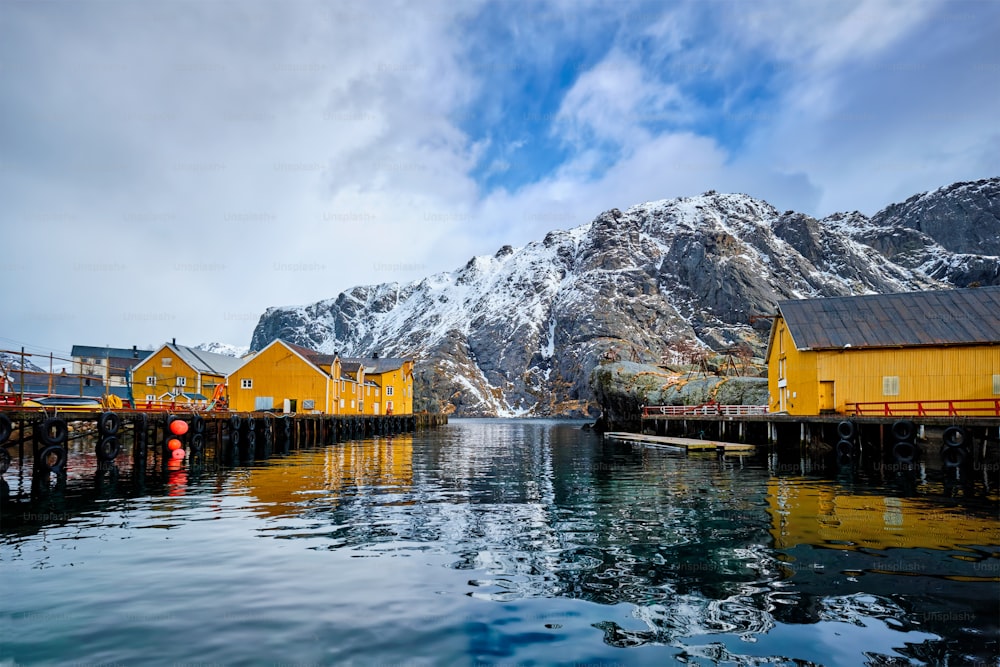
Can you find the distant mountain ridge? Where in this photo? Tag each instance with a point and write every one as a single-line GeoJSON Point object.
{"type": "Point", "coordinates": [223, 348]}
{"type": "Point", "coordinates": [518, 332]}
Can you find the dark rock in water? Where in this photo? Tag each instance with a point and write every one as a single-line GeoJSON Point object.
{"type": "Point", "coordinates": [519, 332]}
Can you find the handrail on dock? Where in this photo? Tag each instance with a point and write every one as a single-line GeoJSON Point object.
{"type": "Point", "coordinates": [705, 409]}
{"type": "Point", "coordinates": [971, 407]}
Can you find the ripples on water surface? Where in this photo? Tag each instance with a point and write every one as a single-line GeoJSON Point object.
{"type": "Point", "coordinates": [500, 542]}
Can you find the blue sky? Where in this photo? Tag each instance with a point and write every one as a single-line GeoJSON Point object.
{"type": "Point", "coordinates": [171, 168]}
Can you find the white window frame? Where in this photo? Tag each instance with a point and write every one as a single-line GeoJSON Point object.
{"type": "Point", "coordinates": [996, 385]}
{"type": "Point", "coordinates": [182, 382]}
{"type": "Point", "coordinates": [246, 383]}
{"type": "Point", "coordinates": [150, 380]}
{"type": "Point", "coordinates": [167, 362]}
{"type": "Point", "coordinates": [388, 390]}
{"type": "Point", "coordinates": [890, 385]}
{"type": "Point", "coordinates": [150, 397]}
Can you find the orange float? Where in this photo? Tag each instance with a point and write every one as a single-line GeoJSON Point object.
{"type": "Point", "coordinates": [178, 427]}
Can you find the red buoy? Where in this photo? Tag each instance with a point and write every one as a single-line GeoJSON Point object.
{"type": "Point", "coordinates": [173, 444]}
{"type": "Point", "coordinates": [178, 427]}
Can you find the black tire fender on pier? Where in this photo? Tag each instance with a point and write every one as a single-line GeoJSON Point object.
{"type": "Point", "coordinates": [904, 452]}
{"type": "Point", "coordinates": [845, 430]}
{"type": "Point", "coordinates": [108, 423]}
{"type": "Point", "coordinates": [4, 460]}
{"type": "Point", "coordinates": [198, 424]}
{"type": "Point", "coordinates": [197, 442]}
{"type": "Point", "coordinates": [109, 448]}
{"type": "Point", "coordinates": [49, 464]}
{"type": "Point", "coordinates": [953, 457]}
{"type": "Point", "coordinates": [234, 422]}
{"type": "Point", "coordinates": [904, 430]}
{"type": "Point", "coordinates": [845, 448]}
{"type": "Point", "coordinates": [954, 436]}
{"type": "Point", "coordinates": [53, 431]}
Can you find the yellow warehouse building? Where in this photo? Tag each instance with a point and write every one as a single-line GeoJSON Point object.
{"type": "Point", "coordinates": [285, 377]}
{"type": "Point", "coordinates": [824, 356]}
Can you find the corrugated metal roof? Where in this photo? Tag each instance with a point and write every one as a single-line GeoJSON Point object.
{"type": "Point", "coordinates": [945, 317]}
{"type": "Point", "coordinates": [347, 364]}
{"type": "Point", "coordinates": [206, 362]}
{"type": "Point", "coordinates": [104, 352]}
{"type": "Point", "coordinates": [316, 358]}
{"type": "Point", "coordinates": [376, 366]}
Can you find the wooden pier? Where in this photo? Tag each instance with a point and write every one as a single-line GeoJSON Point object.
{"type": "Point", "coordinates": [681, 444]}
{"type": "Point", "coordinates": [153, 438]}
{"type": "Point", "coordinates": [959, 439]}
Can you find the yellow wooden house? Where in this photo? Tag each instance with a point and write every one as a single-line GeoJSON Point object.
{"type": "Point", "coordinates": [827, 355]}
{"type": "Point", "coordinates": [180, 374]}
{"type": "Point", "coordinates": [387, 384]}
{"type": "Point", "coordinates": [285, 377]}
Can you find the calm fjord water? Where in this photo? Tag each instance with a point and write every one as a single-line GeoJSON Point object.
{"type": "Point", "coordinates": [500, 542]}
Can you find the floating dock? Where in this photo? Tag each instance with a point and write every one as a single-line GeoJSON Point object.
{"type": "Point", "coordinates": [681, 444]}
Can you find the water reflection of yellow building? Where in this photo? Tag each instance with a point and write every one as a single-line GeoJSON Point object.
{"type": "Point", "coordinates": [826, 516]}
{"type": "Point", "coordinates": [324, 475]}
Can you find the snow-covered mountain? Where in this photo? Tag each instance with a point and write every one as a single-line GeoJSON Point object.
{"type": "Point", "coordinates": [12, 362]}
{"type": "Point", "coordinates": [224, 348]}
{"type": "Point", "coordinates": [518, 332]}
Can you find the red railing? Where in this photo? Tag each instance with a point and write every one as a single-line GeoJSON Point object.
{"type": "Point", "coordinates": [972, 407]}
{"type": "Point", "coordinates": [705, 409]}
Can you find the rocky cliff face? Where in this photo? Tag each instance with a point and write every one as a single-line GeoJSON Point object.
{"type": "Point", "coordinates": [623, 388]}
{"type": "Point", "coordinates": [518, 333]}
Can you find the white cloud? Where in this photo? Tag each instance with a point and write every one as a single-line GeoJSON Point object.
{"type": "Point", "coordinates": [173, 173]}
{"type": "Point", "coordinates": [614, 100]}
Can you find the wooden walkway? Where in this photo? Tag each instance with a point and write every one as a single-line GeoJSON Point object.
{"type": "Point", "coordinates": [680, 444]}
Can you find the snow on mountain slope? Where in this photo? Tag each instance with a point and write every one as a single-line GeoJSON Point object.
{"type": "Point", "coordinates": [224, 348]}
{"type": "Point", "coordinates": [518, 332]}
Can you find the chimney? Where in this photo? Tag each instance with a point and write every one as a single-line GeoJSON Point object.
{"type": "Point", "coordinates": [135, 352]}
{"type": "Point", "coordinates": [374, 355]}
{"type": "Point", "coordinates": [173, 341]}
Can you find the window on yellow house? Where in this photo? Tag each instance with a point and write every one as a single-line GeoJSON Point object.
{"type": "Point", "coordinates": [388, 391]}
{"type": "Point", "coordinates": [996, 384]}
{"type": "Point", "coordinates": [151, 381]}
{"type": "Point", "coordinates": [890, 385]}
{"type": "Point", "coordinates": [246, 383]}
{"type": "Point", "coordinates": [150, 397]}
{"type": "Point", "coordinates": [167, 362]}
{"type": "Point", "coordinates": [182, 382]}
{"type": "Point", "coordinates": [341, 404]}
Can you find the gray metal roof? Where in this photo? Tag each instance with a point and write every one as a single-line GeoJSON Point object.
{"type": "Point", "coordinates": [945, 317]}
{"type": "Point", "coordinates": [98, 352]}
{"type": "Point", "coordinates": [206, 362]}
{"type": "Point", "coordinates": [375, 366]}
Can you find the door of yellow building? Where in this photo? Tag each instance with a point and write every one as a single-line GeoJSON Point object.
{"type": "Point", "coordinates": [826, 400]}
